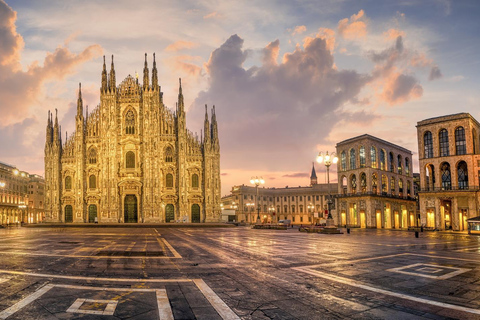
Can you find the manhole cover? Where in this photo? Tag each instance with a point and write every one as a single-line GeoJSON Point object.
{"type": "Point", "coordinates": [131, 253]}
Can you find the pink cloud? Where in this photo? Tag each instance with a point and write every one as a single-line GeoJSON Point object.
{"type": "Point", "coordinates": [299, 30]}
{"type": "Point", "coordinates": [12, 42]}
{"type": "Point", "coordinates": [353, 28]}
{"type": "Point", "coordinates": [211, 15]}
{"type": "Point", "coordinates": [181, 45]}
{"type": "Point", "coordinates": [392, 34]}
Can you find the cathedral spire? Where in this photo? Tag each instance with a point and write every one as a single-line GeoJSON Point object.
{"type": "Point", "coordinates": [181, 106]}
{"type": "Point", "coordinates": [48, 138]}
{"type": "Point", "coordinates": [145, 74]}
{"type": "Point", "coordinates": [214, 128]}
{"type": "Point", "coordinates": [313, 176]}
{"type": "Point", "coordinates": [154, 74]}
{"type": "Point", "coordinates": [104, 76]}
{"type": "Point", "coordinates": [79, 101]}
{"type": "Point", "coordinates": [113, 84]}
{"type": "Point", "coordinates": [206, 127]}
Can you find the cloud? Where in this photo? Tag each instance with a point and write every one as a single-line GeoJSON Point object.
{"type": "Point", "coordinates": [299, 30]}
{"type": "Point", "coordinates": [353, 28]}
{"type": "Point", "coordinates": [276, 106]}
{"type": "Point", "coordinates": [211, 15]}
{"type": "Point", "coordinates": [297, 175]}
{"type": "Point", "coordinates": [435, 73]}
{"type": "Point", "coordinates": [180, 45]}
{"type": "Point", "coordinates": [393, 34]}
{"type": "Point", "coordinates": [400, 88]}
{"type": "Point", "coordinates": [21, 90]}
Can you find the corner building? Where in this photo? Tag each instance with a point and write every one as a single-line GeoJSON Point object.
{"type": "Point", "coordinates": [449, 154]}
{"type": "Point", "coordinates": [132, 160]}
{"type": "Point", "coordinates": [375, 184]}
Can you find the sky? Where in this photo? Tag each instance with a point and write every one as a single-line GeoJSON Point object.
{"type": "Point", "coordinates": [288, 78]}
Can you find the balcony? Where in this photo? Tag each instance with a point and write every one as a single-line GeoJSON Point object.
{"type": "Point", "coordinates": [448, 189]}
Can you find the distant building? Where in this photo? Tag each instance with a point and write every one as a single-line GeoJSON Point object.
{"type": "Point", "coordinates": [449, 154]}
{"type": "Point", "coordinates": [21, 196]}
{"type": "Point", "coordinates": [375, 184]}
{"type": "Point", "coordinates": [132, 159]}
{"type": "Point", "coordinates": [301, 205]}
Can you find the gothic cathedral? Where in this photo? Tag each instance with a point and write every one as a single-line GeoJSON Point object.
{"type": "Point", "coordinates": [132, 160]}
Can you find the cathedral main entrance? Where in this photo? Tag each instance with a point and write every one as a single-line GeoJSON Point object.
{"type": "Point", "coordinates": [68, 213]}
{"type": "Point", "coordinates": [92, 213]}
{"type": "Point", "coordinates": [195, 213]}
{"type": "Point", "coordinates": [130, 209]}
{"type": "Point", "coordinates": [169, 213]}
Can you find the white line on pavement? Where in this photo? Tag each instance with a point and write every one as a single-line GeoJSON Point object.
{"type": "Point", "coordinates": [164, 309]}
{"type": "Point", "coordinates": [353, 283]}
{"type": "Point", "coordinates": [22, 303]}
{"type": "Point", "coordinates": [223, 310]}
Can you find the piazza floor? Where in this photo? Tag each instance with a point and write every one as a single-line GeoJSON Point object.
{"type": "Point", "coordinates": [236, 273]}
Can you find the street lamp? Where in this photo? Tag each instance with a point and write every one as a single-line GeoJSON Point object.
{"type": "Point", "coordinates": [310, 207]}
{"type": "Point", "coordinates": [327, 160]}
{"type": "Point", "coordinates": [257, 181]}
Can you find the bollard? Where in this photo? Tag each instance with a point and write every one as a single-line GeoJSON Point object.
{"type": "Point", "coordinates": [421, 228]}
{"type": "Point", "coordinates": [416, 234]}
{"type": "Point", "coordinates": [348, 230]}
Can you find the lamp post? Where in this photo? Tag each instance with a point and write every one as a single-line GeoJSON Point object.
{"type": "Point", "coordinates": [310, 207]}
{"type": "Point", "coordinates": [249, 206]}
{"type": "Point", "coordinates": [271, 210]}
{"type": "Point", "coordinates": [327, 160]}
{"type": "Point", "coordinates": [257, 181]}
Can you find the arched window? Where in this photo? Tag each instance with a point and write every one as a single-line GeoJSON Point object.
{"type": "Point", "coordinates": [373, 157]}
{"type": "Point", "coordinates": [68, 183]}
{"type": "Point", "coordinates": [443, 140]}
{"type": "Point", "coordinates": [130, 160]}
{"type": "Point", "coordinates": [409, 188]}
{"type": "Point", "coordinates": [129, 122]}
{"type": "Point", "coordinates": [195, 180]}
{"type": "Point", "coordinates": [344, 185]}
{"type": "Point", "coordinates": [384, 184]}
{"type": "Point", "coordinates": [430, 177]}
{"type": "Point", "coordinates": [460, 143]}
{"type": "Point", "coordinates": [353, 183]}
{"type": "Point", "coordinates": [362, 157]}
{"type": "Point", "coordinates": [400, 187]}
{"type": "Point", "coordinates": [382, 159]}
{"type": "Point", "coordinates": [399, 164]}
{"type": "Point", "coordinates": [92, 156]}
{"type": "Point", "coordinates": [446, 176]}
{"type": "Point", "coordinates": [428, 144]}
{"type": "Point", "coordinates": [92, 181]}
{"type": "Point", "coordinates": [390, 160]}
{"type": "Point", "coordinates": [353, 164]}
{"type": "Point", "coordinates": [168, 154]}
{"type": "Point", "coordinates": [374, 183]}
{"type": "Point", "coordinates": [462, 173]}
{"type": "Point", "coordinates": [363, 182]}
{"type": "Point", "coordinates": [407, 166]}
{"type": "Point", "coordinates": [392, 185]}
{"type": "Point", "coordinates": [169, 180]}
{"type": "Point", "coordinates": [344, 161]}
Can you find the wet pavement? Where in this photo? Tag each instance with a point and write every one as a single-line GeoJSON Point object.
{"type": "Point", "coordinates": [236, 273]}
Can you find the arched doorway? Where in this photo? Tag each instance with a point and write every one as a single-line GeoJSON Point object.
{"type": "Point", "coordinates": [92, 213]}
{"type": "Point", "coordinates": [195, 213]}
{"type": "Point", "coordinates": [130, 209]}
{"type": "Point", "coordinates": [68, 213]}
{"type": "Point", "coordinates": [169, 213]}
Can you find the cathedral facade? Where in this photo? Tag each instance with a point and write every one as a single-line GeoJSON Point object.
{"type": "Point", "coordinates": [132, 160]}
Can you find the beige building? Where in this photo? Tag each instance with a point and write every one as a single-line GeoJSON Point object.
{"type": "Point", "coordinates": [21, 196]}
{"type": "Point", "coordinates": [449, 155]}
{"type": "Point", "coordinates": [301, 205]}
{"type": "Point", "coordinates": [132, 159]}
{"type": "Point", "coordinates": [375, 184]}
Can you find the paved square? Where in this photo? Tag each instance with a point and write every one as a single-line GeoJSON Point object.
{"type": "Point", "coordinates": [236, 273]}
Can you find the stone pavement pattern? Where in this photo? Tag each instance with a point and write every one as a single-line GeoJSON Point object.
{"type": "Point", "coordinates": [236, 273]}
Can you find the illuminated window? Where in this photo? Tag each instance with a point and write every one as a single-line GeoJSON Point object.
{"type": "Point", "coordinates": [384, 183]}
{"type": "Point", "coordinates": [390, 159]}
{"type": "Point", "coordinates": [353, 164]}
{"type": "Point", "coordinates": [373, 157]}
{"type": "Point", "coordinates": [462, 172]}
{"type": "Point", "coordinates": [353, 183]}
{"type": "Point", "coordinates": [399, 164]}
{"type": "Point", "coordinates": [374, 183]}
{"type": "Point", "coordinates": [407, 166]}
{"type": "Point", "coordinates": [392, 185]}
{"type": "Point", "coordinates": [446, 176]}
{"type": "Point", "coordinates": [382, 159]}
{"type": "Point", "coordinates": [344, 161]}
{"type": "Point", "coordinates": [362, 157]}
